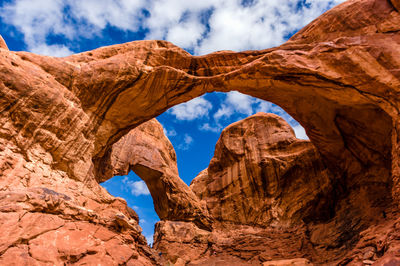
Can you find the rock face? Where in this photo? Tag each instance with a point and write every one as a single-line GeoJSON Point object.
{"type": "Point", "coordinates": [339, 77]}
{"type": "Point", "coordinates": [149, 153]}
{"type": "Point", "coordinates": [260, 187]}
{"type": "Point", "coordinates": [261, 175]}
{"type": "Point", "coordinates": [47, 218]}
{"type": "Point", "coordinates": [272, 197]}
{"type": "Point", "coordinates": [3, 43]}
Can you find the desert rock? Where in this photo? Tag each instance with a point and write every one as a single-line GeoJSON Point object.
{"type": "Point", "coordinates": [339, 77]}
{"type": "Point", "coordinates": [261, 175]}
{"type": "Point", "coordinates": [149, 153]}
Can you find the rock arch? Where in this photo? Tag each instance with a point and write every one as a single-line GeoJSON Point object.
{"type": "Point", "coordinates": [339, 77]}
{"type": "Point", "coordinates": [332, 78]}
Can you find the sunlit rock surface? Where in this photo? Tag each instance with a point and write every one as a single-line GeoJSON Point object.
{"type": "Point", "coordinates": [149, 153]}
{"type": "Point", "coordinates": [261, 175]}
{"type": "Point", "coordinates": [59, 117]}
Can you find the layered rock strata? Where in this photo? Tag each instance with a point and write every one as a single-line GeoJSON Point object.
{"type": "Point", "coordinates": [272, 198]}
{"type": "Point", "coordinates": [339, 77]}
{"type": "Point", "coordinates": [261, 174]}
{"type": "Point", "coordinates": [149, 153]}
{"type": "Point", "coordinates": [48, 218]}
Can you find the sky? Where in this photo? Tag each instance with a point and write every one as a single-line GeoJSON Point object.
{"type": "Point", "coordinates": [60, 28]}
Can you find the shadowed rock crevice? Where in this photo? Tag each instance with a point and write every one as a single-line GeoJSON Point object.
{"type": "Point", "coordinates": [262, 184]}
{"type": "Point", "coordinates": [339, 77]}
{"type": "Point", "coordinates": [148, 152]}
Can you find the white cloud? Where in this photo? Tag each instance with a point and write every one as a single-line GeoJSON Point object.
{"type": "Point", "coordinates": [169, 132]}
{"type": "Point", "coordinates": [52, 50]}
{"type": "Point", "coordinates": [97, 14]}
{"type": "Point", "coordinates": [186, 143]}
{"type": "Point", "coordinates": [70, 19]}
{"type": "Point", "coordinates": [196, 108]}
{"type": "Point", "coordinates": [202, 26]}
{"type": "Point", "coordinates": [223, 112]}
{"type": "Point", "coordinates": [178, 21]}
{"type": "Point", "coordinates": [37, 19]}
{"type": "Point", "coordinates": [300, 132]}
{"type": "Point", "coordinates": [235, 102]}
{"type": "Point", "coordinates": [240, 102]}
{"type": "Point", "coordinates": [207, 127]}
{"type": "Point", "coordinates": [149, 239]}
{"type": "Point", "coordinates": [185, 34]}
{"type": "Point", "coordinates": [261, 25]}
{"type": "Point", "coordinates": [137, 188]}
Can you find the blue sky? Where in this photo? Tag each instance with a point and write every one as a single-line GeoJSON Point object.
{"type": "Point", "coordinates": [61, 28]}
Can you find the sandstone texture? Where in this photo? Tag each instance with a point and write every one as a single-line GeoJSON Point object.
{"type": "Point", "coordinates": [271, 197]}
{"type": "Point", "coordinates": [261, 175]}
{"type": "Point", "coordinates": [60, 118]}
{"type": "Point", "coordinates": [149, 153]}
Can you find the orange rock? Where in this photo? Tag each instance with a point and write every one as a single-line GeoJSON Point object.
{"type": "Point", "coordinates": [261, 175]}
{"type": "Point", "coordinates": [339, 77]}
{"type": "Point", "coordinates": [272, 197]}
{"type": "Point", "coordinates": [149, 153]}
{"type": "Point", "coordinates": [291, 262]}
{"type": "Point", "coordinates": [3, 43]}
{"type": "Point", "coordinates": [396, 4]}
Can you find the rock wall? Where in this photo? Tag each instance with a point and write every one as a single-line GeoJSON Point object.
{"type": "Point", "coordinates": [338, 77]}
{"type": "Point", "coordinates": [149, 153]}
{"type": "Point", "coordinates": [272, 197]}
{"type": "Point", "coordinates": [261, 174]}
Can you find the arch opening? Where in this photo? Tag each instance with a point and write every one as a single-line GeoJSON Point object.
{"type": "Point", "coordinates": [339, 82]}
{"type": "Point", "coordinates": [134, 191]}
{"type": "Point", "coordinates": [205, 117]}
{"type": "Point", "coordinates": [331, 208]}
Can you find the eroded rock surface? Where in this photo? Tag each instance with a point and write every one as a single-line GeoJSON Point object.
{"type": "Point", "coordinates": [43, 227]}
{"type": "Point", "coordinates": [339, 77]}
{"type": "Point", "coordinates": [148, 152]}
{"type": "Point", "coordinates": [260, 187]}
{"type": "Point", "coordinates": [261, 174]}
{"type": "Point", "coordinates": [273, 198]}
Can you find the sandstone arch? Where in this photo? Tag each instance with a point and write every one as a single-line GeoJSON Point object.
{"type": "Point", "coordinates": [148, 152]}
{"type": "Point", "coordinates": [332, 78]}
{"type": "Point", "coordinates": [339, 77]}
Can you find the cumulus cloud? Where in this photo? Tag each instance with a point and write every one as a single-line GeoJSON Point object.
{"type": "Point", "coordinates": [149, 239]}
{"type": "Point", "coordinates": [300, 132]}
{"type": "Point", "coordinates": [224, 111]}
{"type": "Point", "coordinates": [53, 50]}
{"type": "Point", "coordinates": [217, 128]}
{"type": "Point", "coordinates": [97, 14]}
{"type": "Point", "coordinates": [69, 20]}
{"type": "Point", "coordinates": [259, 25]}
{"type": "Point", "coordinates": [207, 26]}
{"type": "Point", "coordinates": [137, 188]}
{"type": "Point", "coordinates": [37, 19]}
{"type": "Point", "coordinates": [177, 21]}
{"type": "Point", "coordinates": [186, 142]}
{"type": "Point", "coordinates": [196, 108]}
{"type": "Point", "coordinates": [200, 26]}
{"type": "Point", "coordinates": [236, 102]}
{"type": "Point", "coordinates": [169, 132]}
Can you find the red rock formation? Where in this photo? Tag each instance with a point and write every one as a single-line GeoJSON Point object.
{"type": "Point", "coordinates": [272, 197]}
{"type": "Point", "coordinates": [3, 43]}
{"type": "Point", "coordinates": [338, 77]}
{"type": "Point", "coordinates": [262, 187]}
{"type": "Point", "coordinates": [149, 153]}
{"type": "Point", "coordinates": [261, 175]}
